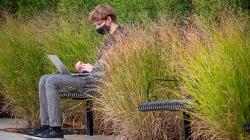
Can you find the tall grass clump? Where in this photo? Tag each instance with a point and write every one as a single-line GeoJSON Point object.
{"type": "Point", "coordinates": [22, 63]}
{"type": "Point", "coordinates": [131, 12]}
{"type": "Point", "coordinates": [26, 7]}
{"type": "Point", "coordinates": [216, 76]}
{"type": "Point", "coordinates": [134, 61]}
{"type": "Point", "coordinates": [211, 9]}
{"type": "Point", "coordinates": [209, 61]}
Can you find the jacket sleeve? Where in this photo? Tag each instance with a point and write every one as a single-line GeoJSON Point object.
{"type": "Point", "coordinates": [98, 69]}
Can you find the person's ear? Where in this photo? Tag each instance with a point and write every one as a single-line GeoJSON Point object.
{"type": "Point", "coordinates": [109, 20]}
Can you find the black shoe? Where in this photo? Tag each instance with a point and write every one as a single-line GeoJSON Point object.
{"type": "Point", "coordinates": [53, 132]}
{"type": "Point", "coordinates": [33, 133]}
{"type": "Point", "coordinates": [41, 129]}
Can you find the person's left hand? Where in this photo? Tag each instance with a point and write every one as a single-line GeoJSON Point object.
{"type": "Point", "coordinates": [86, 67]}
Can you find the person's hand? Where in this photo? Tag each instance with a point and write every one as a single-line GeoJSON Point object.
{"type": "Point", "coordinates": [81, 67]}
{"type": "Point", "coordinates": [78, 66]}
{"type": "Point", "coordinates": [86, 67]}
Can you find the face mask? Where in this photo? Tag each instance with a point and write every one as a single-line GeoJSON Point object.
{"type": "Point", "coordinates": [103, 30]}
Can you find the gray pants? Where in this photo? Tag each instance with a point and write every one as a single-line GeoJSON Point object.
{"type": "Point", "coordinates": [49, 98]}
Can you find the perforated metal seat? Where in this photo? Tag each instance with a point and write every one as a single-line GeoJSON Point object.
{"type": "Point", "coordinates": [83, 93]}
{"type": "Point", "coordinates": [169, 105]}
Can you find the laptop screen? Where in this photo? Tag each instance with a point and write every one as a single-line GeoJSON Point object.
{"type": "Point", "coordinates": [58, 64]}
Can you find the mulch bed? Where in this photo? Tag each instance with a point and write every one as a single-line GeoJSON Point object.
{"type": "Point", "coordinates": [67, 128]}
{"type": "Point", "coordinates": [67, 131]}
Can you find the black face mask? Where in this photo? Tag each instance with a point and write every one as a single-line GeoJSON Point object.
{"type": "Point", "coordinates": [103, 30]}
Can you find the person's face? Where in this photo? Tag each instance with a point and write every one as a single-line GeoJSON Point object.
{"type": "Point", "coordinates": [101, 23]}
{"type": "Point", "coordinates": [103, 26]}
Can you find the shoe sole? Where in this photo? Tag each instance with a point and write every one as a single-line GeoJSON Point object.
{"type": "Point", "coordinates": [29, 137]}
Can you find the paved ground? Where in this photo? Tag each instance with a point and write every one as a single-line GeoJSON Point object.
{"type": "Point", "coordinates": [13, 123]}
{"type": "Point", "coordinates": [14, 136]}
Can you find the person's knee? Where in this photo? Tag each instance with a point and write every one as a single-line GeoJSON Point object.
{"type": "Point", "coordinates": [43, 79]}
{"type": "Point", "coordinates": [51, 81]}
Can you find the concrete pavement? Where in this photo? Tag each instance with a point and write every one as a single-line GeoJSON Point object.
{"type": "Point", "coordinates": [15, 123]}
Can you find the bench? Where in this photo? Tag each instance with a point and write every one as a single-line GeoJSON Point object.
{"type": "Point", "coordinates": [86, 94]}
{"type": "Point", "coordinates": [168, 105]}
{"type": "Point", "coordinates": [174, 105]}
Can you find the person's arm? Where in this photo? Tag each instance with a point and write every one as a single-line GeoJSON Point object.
{"type": "Point", "coordinates": [98, 66]}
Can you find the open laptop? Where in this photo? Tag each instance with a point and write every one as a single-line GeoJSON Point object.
{"type": "Point", "coordinates": [62, 68]}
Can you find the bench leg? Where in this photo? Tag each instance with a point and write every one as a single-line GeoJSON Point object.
{"type": "Point", "coordinates": [89, 117]}
{"type": "Point", "coordinates": [187, 126]}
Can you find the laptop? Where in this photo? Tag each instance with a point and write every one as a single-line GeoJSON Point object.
{"type": "Point", "coordinates": [62, 68]}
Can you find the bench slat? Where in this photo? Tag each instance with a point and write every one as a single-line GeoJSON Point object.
{"type": "Point", "coordinates": [169, 105]}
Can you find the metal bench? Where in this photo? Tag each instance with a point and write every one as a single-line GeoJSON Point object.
{"type": "Point", "coordinates": [174, 105]}
{"type": "Point", "coordinates": [84, 94]}
{"type": "Point", "coordinates": [168, 105]}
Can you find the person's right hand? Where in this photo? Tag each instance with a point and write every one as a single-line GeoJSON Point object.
{"type": "Point", "coordinates": [78, 66]}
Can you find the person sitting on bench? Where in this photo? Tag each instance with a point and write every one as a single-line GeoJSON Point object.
{"type": "Point", "coordinates": [104, 19]}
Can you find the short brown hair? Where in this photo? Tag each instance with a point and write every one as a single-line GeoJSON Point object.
{"type": "Point", "coordinates": [102, 12]}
